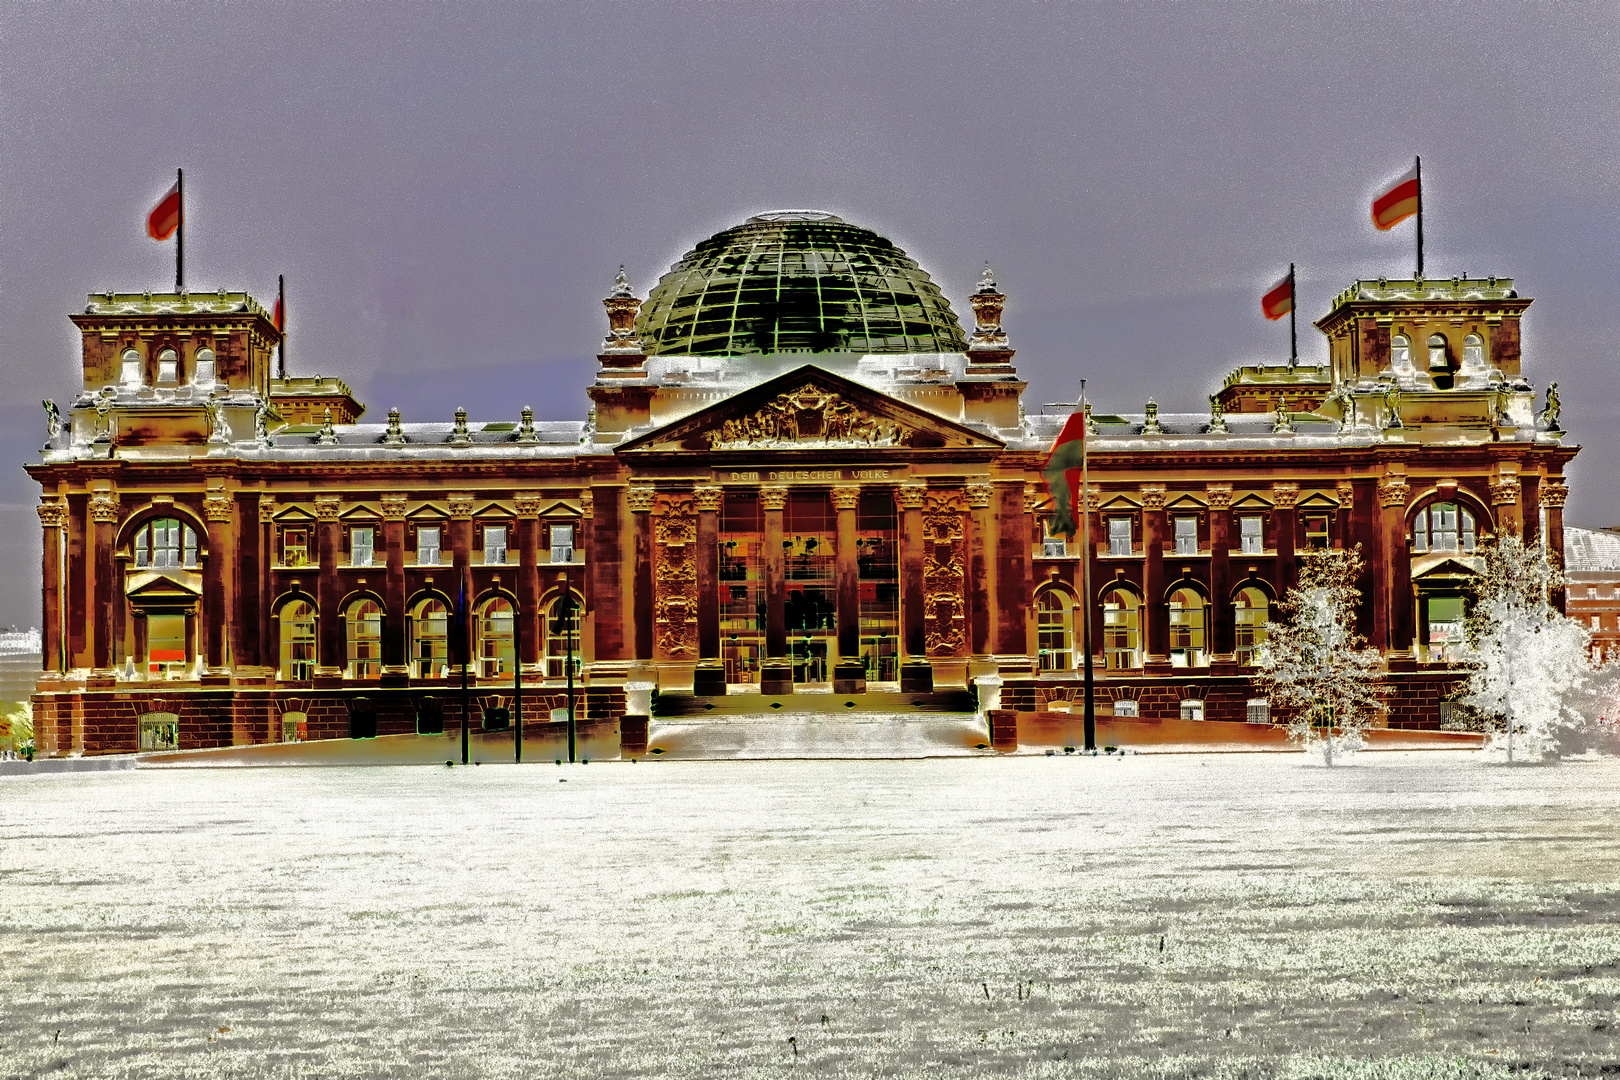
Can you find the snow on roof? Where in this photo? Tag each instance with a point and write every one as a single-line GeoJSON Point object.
{"type": "Point", "coordinates": [1591, 549]}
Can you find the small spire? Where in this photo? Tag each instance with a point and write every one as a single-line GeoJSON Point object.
{"type": "Point", "coordinates": [395, 435]}
{"type": "Point", "coordinates": [987, 281]}
{"type": "Point", "coordinates": [328, 435]}
{"type": "Point", "coordinates": [526, 435]}
{"type": "Point", "coordinates": [460, 436]}
{"type": "Point", "coordinates": [621, 284]}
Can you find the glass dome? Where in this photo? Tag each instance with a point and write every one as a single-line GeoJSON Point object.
{"type": "Point", "coordinates": [796, 281]}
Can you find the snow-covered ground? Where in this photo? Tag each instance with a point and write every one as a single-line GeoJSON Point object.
{"type": "Point", "coordinates": [1408, 915]}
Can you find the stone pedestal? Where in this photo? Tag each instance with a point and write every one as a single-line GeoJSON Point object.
{"type": "Point", "coordinates": [849, 677]}
{"type": "Point", "coordinates": [916, 678]}
{"type": "Point", "coordinates": [775, 677]}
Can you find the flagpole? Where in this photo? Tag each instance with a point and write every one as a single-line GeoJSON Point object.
{"type": "Point", "coordinates": [1085, 574]}
{"type": "Point", "coordinates": [1293, 325]}
{"type": "Point", "coordinates": [466, 662]}
{"type": "Point", "coordinates": [281, 306]}
{"type": "Point", "coordinates": [180, 233]}
{"type": "Point", "coordinates": [1420, 217]}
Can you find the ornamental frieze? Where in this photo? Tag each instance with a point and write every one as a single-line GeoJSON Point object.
{"type": "Point", "coordinates": [675, 576]}
{"type": "Point", "coordinates": [944, 575]}
{"type": "Point", "coordinates": [808, 418]}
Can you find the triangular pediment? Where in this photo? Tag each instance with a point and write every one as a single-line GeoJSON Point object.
{"type": "Point", "coordinates": [1445, 566]}
{"type": "Point", "coordinates": [157, 587]}
{"type": "Point", "coordinates": [1251, 502]}
{"type": "Point", "coordinates": [1318, 501]}
{"type": "Point", "coordinates": [810, 408]}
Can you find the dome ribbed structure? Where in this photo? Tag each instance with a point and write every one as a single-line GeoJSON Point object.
{"type": "Point", "coordinates": [797, 281]}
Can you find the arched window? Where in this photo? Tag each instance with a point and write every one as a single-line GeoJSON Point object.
{"type": "Point", "coordinates": [1187, 609]}
{"type": "Point", "coordinates": [165, 543]}
{"type": "Point", "coordinates": [1439, 353]}
{"type": "Point", "coordinates": [1054, 630]}
{"type": "Point", "coordinates": [562, 636]}
{"type": "Point", "coordinates": [1473, 353]}
{"type": "Point", "coordinates": [430, 639]}
{"type": "Point", "coordinates": [1400, 351]}
{"type": "Point", "coordinates": [294, 727]}
{"type": "Point", "coordinates": [297, 644]}
{"type": "Point", "coordinates": [1443, 526]}
{"type": "Point", "coordinates": [364, 624]}
{"type": "Point", "coordinates": [1122, 629]}
{"type": "Point", "coordinates": [495, 653]}
{"type": "Point", "coordinates": [129, 372]}
{"type": "Point", "coordinates": [168, 366]}
{"type": "Point", "coordinates": [204, 376]}
{"type": "Point", "coordinates": [1252, 610]}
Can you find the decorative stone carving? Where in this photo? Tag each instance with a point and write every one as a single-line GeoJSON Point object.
{"type": "Point", "coordinates": [910, 496]}
{"type": "Point", "coordinates": [675, 576]}
{"type": "Point", "coordinates": [459, 435]}
{"type": "Point", "coordinates": [1150, 421]}
{"type": "Point", "coordinates": [1393, 491]}
{"type": "Point", "coordinates": [622, 307]}
{"type": "Point", "coordinates": [944, 575]}
{"type": "Point", "coordinates": [527, 504]}
{"type": "Point", "coordinates": [218, 506]}
{"type": "Point", "coordinates": [328, 435]}
{"type": "Point", "coordinates": [1346, 492]}
{"type": "Point", "coordinates": [641, 498]}
{"type": "Point", "coordinates": [104, 507]}
{"type": "Point", "coordinates": [978, 496]}
{"type": "Point", "coordinates": [1504, 492]}
{"type": "Point", "coordinates": [988, 303]}
{"type": "Point", "coordinates": [525, 431]}
{"type": "Point", "coordinates": [53, 421]}
{"type": "Point", "coordinates": [327, 507]}
{"type": "Point", "coordinates": [1219, 495]}
{"type": "Point", "coordinates": [461, 505]}
{"type": "Point", "coordinates": [267, 509]}
{"type": "Point", "coordinates": [393, 506]}
{"type": "Point", "coordinates": [708, 499]}
{"type": "Point", "coordinates": [1153, 497]}
{"type": "Point", "coordinates": [395, 435]}
{"type": "Point", "coordinates": [1284, 424]}
{"type": "Point", "coordinates": [587, 504]}
{"type": "Point", "coordinates": [1032, 498]}
{"type": "Point", "coordinates": [1217, 416]}
{"type": "Point", "coordinates": [808, 417]}
{"type": "Point", "coordinates": [846, 498]}
{"type": "Point", "coordinates": [52, 515]}
{"type": "Point", "coordinates": [773, 497]}
{"type": "Point", "coordinates": [1284, 496]}
{"type": "Point", "coordinates": [1553, 492]}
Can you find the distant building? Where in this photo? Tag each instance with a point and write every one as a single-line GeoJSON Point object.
{"type": "Point", "coordinates": [798, 474]}
{"type": "Point", "coordinates": [1592, 567]}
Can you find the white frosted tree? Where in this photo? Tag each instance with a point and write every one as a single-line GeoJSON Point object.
{"type": "Point", "coordinates": [1315, 663]}
{"type": "Point", "coordinates": [1529, 662]}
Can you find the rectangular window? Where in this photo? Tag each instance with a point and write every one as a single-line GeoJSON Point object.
{"type": "Point", "coordinates": [1126, 707]}
{"type": "Point", "coordinates": [1259, 711]}
{"type": "Point", "coordinates": [1597, 622]}
{"type": "Point", "coordinates": [1119, 536]}
{"type": "Point", "coordinates": [427, 545]}
{"type": "Point", "coordinates": [166, 644]}
{"type": "Point", "coordinates": [1316, 531]}
{"type": "Point", "coordinates": [1192, 710]}
{"type": "Point", "coordinates": [295, 547]}
{"type": "Point", "coordinates": [562, 543]}
{"type": "Point", "coordinates": [360, 547]}
{"type": "Point", "coordinates": [1053, 547]}
{"type": "Point", "coordinates": [1186, 536]}
{"type": "Point", "coordinates": [1250, 528]}
{"type": "Point", "coordinates": [494, 545]}
{"type": "Point", "coordinates": [160, 731]}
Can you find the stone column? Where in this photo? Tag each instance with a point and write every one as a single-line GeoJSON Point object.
{"type": "Point", "coordinates": [104, 518]}
{"type": "Point", "coordinates": [1554, 491]}
{"type": "Point", "coordinates": [1157, 630]}
{"type": "Point", "coordinates": [641, 498]}
{"type": "Point", "coordinates": [52, 517]}
{"type": "Point", "coordinates": [588, 587]}
{"type": "Point", "coordinates": [849, 676]}
{"type": "Point", "coordinates": [981, 598]}
{"type": "Point", "coordinates": [219, 580]}
{"type": "Point", "coordinates": [1346, 492]}
{"type": "Point", "coordinates": [710, 676]}
{"type": "Point", "coordinates": [1284, 499]}
{"type": "Point", "coordinates": [1396, 588]}
{"type": "Point", "coordinates": [1530, 506]}
{"type": "Point", "coordinates": [396, 663]}
{"type": "Point", "coordinates": [461, 583]}
{"type": "Point", "coordinates": [776, 671]}
{"type": "Point", "coordinates": [916, 674]}
{"type": "Point", "coordinates": [1224, 637]}
{"type": "Point", "coordinates": [527, 505]}
{"type": "Point", "coordinates": [1012, 591]}
{"type": "Point", "coordinates": [945, 587]}
{"type": "Point", "coordinates": [675, 599]}
{"type": "Point", "coordinates": [1505, 505]}
{"type": "Point", "coordinates": [269, 647]}
{"type": "Point", "coordinates": [331, 649]}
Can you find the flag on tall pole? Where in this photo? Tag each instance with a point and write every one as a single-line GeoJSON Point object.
{"type": "Point", "coordinates": [168, 219]}
{"type": "Point", "coordinates": [1061, 468]}
{"type": "Point", "coordinates": [1401, 200]}
{"type": "Point", "coordinates": [281, 321]}
{"type": "Point", "coordinates": [1279, 301]}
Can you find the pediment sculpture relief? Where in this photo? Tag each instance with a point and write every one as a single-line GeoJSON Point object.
{"type": "Point", "coordinates": [806, 418]}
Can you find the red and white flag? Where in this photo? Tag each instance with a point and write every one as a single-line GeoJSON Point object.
{"type": "Point", "coordinates": [1399, 201]}
{"type": "Point", "coordinates": [1062, 471]}
{"type": "Point", "coordinates": [165, 216]}
{"type": "Point", "coordinates": [280, 314]}
{"type": "Point", "coordinates": [1279, 299]}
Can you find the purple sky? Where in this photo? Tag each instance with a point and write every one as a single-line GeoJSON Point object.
{"type": "Point", "coordinates": [449, 188]}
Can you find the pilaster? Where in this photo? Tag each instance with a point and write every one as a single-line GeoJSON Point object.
{"type": "Point", "coordinates": [849, 676]}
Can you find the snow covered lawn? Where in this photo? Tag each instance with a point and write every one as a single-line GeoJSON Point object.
{"type": "Point", "coordinates": [1409, 915]}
